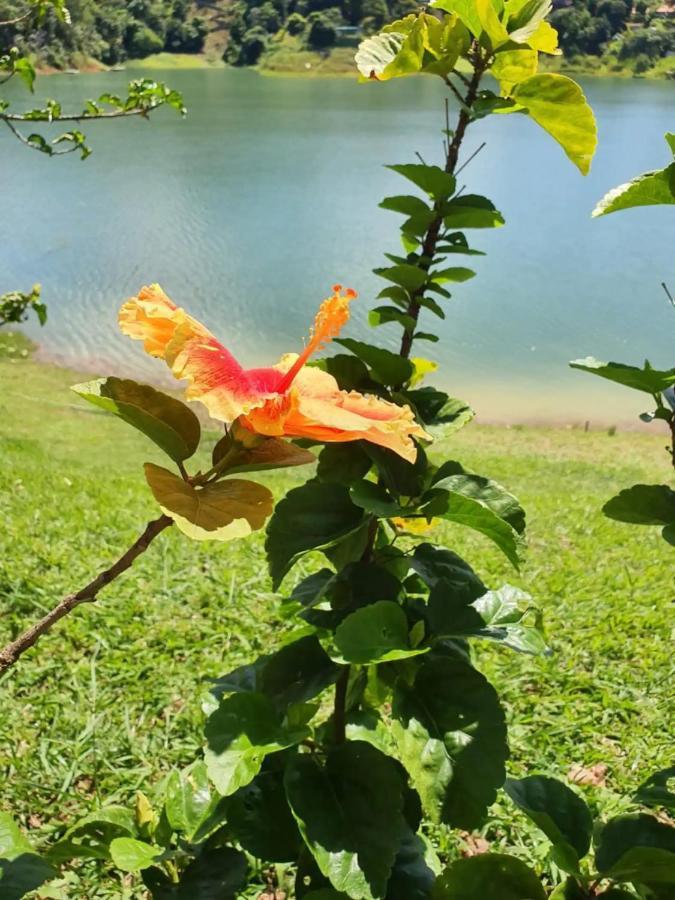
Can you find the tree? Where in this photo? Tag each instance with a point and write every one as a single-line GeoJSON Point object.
{"type": "Point", "coordinates": [321, 32]}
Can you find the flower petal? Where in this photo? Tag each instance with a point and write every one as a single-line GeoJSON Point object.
{"type": "Point", "coordinates": [316, 408]}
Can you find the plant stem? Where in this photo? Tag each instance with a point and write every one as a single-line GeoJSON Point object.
{"type": "Point", "coordinates": [433, 232]}
{"type": "Point", "coordinates": [12, 651]}
{"type": "Point", "coordinates": [340, 706]}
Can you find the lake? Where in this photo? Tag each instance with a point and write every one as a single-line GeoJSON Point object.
{"type": "Point", "coordinates": [248, 210]}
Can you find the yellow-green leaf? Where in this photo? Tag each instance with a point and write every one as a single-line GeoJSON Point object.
{"type": "Point", "coordinates": [510, 67]}
{"type": "Point", "coordinates": [545, 39]}
{"type": "Point", "coordinates": [559, 106]}
{"type": "Point", "coordinates": [222, 510]}
{"type": "Point", "coordinates": [491, 24]}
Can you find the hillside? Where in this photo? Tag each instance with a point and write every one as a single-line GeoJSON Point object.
{"type": "Point", "coordinates": [612, 36]}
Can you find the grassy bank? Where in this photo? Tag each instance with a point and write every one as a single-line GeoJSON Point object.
{"type": "Point", "coordinates": [109, 701]}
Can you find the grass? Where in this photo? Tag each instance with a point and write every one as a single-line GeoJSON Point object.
{"type": "Point", "coordinates": [110, 700]}
{"type": "Point", "coordinates": [175, 61]}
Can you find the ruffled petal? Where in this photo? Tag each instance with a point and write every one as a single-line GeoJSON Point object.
{"type": "Point", "coordinates": [317, 409]}
{"type": "Point", "coordinates": [153, 318]}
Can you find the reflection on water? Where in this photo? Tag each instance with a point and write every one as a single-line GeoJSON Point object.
{"type": "Point", "coordinates": [251, 208]}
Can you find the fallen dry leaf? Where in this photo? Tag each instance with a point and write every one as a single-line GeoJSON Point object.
{"type": "Point", "coordinates": [593, 775]}
{"type": "Point", "coordinates": [474, 844]}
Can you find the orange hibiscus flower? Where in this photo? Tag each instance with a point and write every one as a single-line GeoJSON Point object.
{"type": "Point", "coordinates": [288, 399]}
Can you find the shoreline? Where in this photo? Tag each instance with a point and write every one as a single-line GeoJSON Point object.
{"type": "Point", "coordinates": [311, 64]}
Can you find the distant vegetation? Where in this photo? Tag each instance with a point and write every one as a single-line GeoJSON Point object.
{"type": "Point", "coordinates": [604, 35]}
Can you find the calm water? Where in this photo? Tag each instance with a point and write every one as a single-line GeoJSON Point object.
{"type": "Point", "coordinates": [248, 210]}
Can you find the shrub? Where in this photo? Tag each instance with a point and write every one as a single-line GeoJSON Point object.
{"type": "Point", "coordinates": [321, 31]}
{"type": "Point", "coordinates": [143, 41]}
{"type": "Point", "coordinates": [296, 24]}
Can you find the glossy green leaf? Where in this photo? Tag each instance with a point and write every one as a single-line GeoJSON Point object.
{"type": "Point", "coordinates": [491, 875]}
{"type": "Point", "coordinates": [506, 616]}
{"type": "Point", "coordinates": [651, 188]}
{"type": "Point", "coordinates": [561, 814]}
{"type": "Point", "coordinates": [570, 889]}
{"type": "Point", "coordinates": [637, 848]}
{"type": "Point", "coordinates": [91, 836]}
{"type": "Point", "coordinates": [451, 738]}
{"type": "Point", "coordinates": [21, 869]}
{"type": "Point", "coordinates": [131, 855]}
{"type": "Point", "coordinates": [190, 805]}
{"type": "Point", "coordinates": [295, 673]}
{"type": "Point", "coordinates": [473, 513]}
{"type": "Point", "coordinates": [433, 180]}
{"type": "Point", "coordinates": [651, 381]}
{"type": "Point", "coordinates": [240, 734]}
{"type": "Point", "coordinates": [166, 421]}
{"type": "Point", "coordinates": [438, 411]}
{"type": "Point", "coordinates": [384, 315]}
{"type": "Point", "coordinates": [221, 510]}
{"type": "Point", "coordinates": [375, 634]}
{"type": "Point", "coordinates": [386, 367]}
{"type": "Point", "coordinates": [452, 477]}
{"type": "Point", "coordinates": [456, 275]}
{"type": "Point", "coordinates": [658, 790]}
{"type": "Point", "coordinates": [409, 277]}
{"type": "Point", "coordinates": [374, 498]}
{"type": "Point", "coordinates": [218, 873]}
{"type": "Point", "coordinates": [471, 211]}
{"type": "Point", "coordinates": [350, 813]}
{"type": "Point", "coordinates": [312, 517]}
{"type": "Point", "coordinates": [261, 821]}
{"type": "Point", "coordinates": [559, 106]}
{"type": "Point", "coordinates": [436, 564]}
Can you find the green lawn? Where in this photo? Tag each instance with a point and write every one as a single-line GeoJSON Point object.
{"type": "Point", "coordinates": [110, 700]}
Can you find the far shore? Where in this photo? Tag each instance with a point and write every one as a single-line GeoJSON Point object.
{"type": "Point", "coordinates": [338, 63]}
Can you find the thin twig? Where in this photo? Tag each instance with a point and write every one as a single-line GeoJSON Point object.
{"type": "Point", "coordinates": [668, 294]}
{"type": "Point", "coordinates": [462, 77]}
{"type": "Point", "coordinates": [11, 653]}
{"type": "Point", "coordinates": [24, 140]}
{"type": "Point", "coordinates": [340, 706]}
{"type": "Point", "coordinates": [81, 117]}
{"type": "Point", "coordinates": [473, 156]}
{"type": "Point", "coordinates": [16, 21]}
{"type": "Point", "coordinates": [419, 156]}
{"type": "Point", "coordinates": [454, 90]}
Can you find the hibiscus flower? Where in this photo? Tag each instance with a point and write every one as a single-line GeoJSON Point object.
{"type": "Point", "coordinates": [289, 399]}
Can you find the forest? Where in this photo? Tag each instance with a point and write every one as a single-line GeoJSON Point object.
{"type": "Point", "coordinates": [624, 35]}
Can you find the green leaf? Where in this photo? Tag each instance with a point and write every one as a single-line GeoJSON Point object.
{"type": "Point", "coordinates": [375, 634]}
{"type": "Point", "coordinates": [297, 672]}
{"type": "Point", "coordinates": [644, 504]}
{"type": "Point", "coordinates": [500, 616]}
{"type": "Point", "coordinates": [451, 738]}
{"type": "Point", "coordinates": [474, 513]}
{"type": "Point", "coordinates": [436, 564]}
{"type": "Point", "coordinates": [452, 477]}
{"type": "Point", "coordinates": [561, 814]}
{"type": "Point", "coordinates": [25, 70]}
{"type": "Point", "coordinates": [655, 790]}
{"type": "Point", "coordinates": [415, 869]}
{"type": "Point", "coordinates": [190, 805]}
{"type": "Point", "coordinates": [559, 106]}
{"type": "Point", "coordinates": [374, 498]}
{"type": "Point", "coordinates": [411, 278]}
{"type": "Point", "coordinates": [637, 848]}
{"type": "Point", "coordinates": [408, 205]}
{"type": "Point", "coordinates": [491, 875]}
{"type": "Point", "coordinates": [312, 517]}
{"type": "Point", "coordinates": [131, 855]}
{"type": "Point", "coordinates": [336, 806]}
{"type": "Point", "coordinates": [166, 421]}
{"type": "Point", "coordinates": [439, 411]}
{"type": "Point", "coordinates": [456, 275]}
{"type": "Point", "coordinates": [376, 54]}
{"type": "Point", "coordinates": [21, 869]}
{"type": "Point", "coordinates": [511, 67]}
{"type": "Point", "coordinates": [218, 873]}
{"type": "Point", "coordinates": [650, 189]}
{"type": "Point", "coordinates": [386, 367]}
{"type": "Point", "coordinates": [570, 889]}
{"type": "Point", "coordinates": [434, 181]}
{"type": "Point", "coordinates": [91, 836]}
{"type": "Point", "coordinates": [343, 463]}
{"type": "Point", "coordinates": [220, 510]}
{"type": "Point", "coordinates": [261, 820]}
{"type": "Point", "coordinates": [240, 734]}
{"type": "Point", "coordinates": [384, 315]}
{"type": "Point", "coordinates": [471, 211]}
{"type": "Point", "coordinates": [651, 381]}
